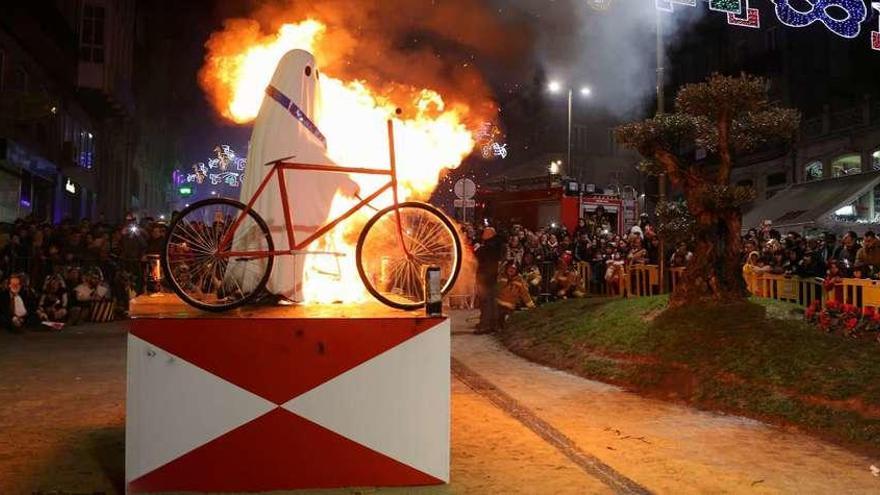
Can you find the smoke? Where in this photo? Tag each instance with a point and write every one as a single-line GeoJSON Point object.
{"type": "Point", "coordinates": [397, 45]}
{"type": "Point", "coordinates": [456, 46]}
{"type": "Point", "coordinates": [608, 45]}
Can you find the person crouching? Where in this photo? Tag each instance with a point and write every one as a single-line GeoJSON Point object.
{"type": "Point", "coordinates": [566, 280]}
{"type": "Point", "coordinates": [513, 293]}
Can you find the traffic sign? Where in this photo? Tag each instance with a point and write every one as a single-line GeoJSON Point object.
{"type": "Point", "coordinates": [464, 203]}
{"type": "Point", "coordinates": [465, 189]}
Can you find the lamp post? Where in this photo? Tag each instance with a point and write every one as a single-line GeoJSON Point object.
{"type": "Point", "coordinates": [661, 108]}
{"type": "Point", "coordinates": [556, 87]}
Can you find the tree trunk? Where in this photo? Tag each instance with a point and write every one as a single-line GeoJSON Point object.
{"type": "Point", "coordinates": [714, 275]}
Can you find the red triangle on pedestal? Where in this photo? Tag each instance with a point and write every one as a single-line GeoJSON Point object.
{"type": "Point", "coordinates": [279, 359]}
{"type": "Point", "coordinates": [279, 451]}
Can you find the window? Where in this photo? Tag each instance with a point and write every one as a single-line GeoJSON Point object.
{"type": "Point", "coordinates": [91, 38]}
{"type": "Point", "coordinates": [814, 171]}
{"type": "Point", "coordinates": [777, 179]}
{"type": "Point", "coordinates": [846, 165]}
{"type": "Point", "coordinates": [86, 147]}
{"type": "Point", "coordinates": [746, 183]}
{"type": "Point", "coordinates": [875, 160]}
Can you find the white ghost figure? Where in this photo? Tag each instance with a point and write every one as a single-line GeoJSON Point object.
{"type": "Point", "coordinates": [279, 135]}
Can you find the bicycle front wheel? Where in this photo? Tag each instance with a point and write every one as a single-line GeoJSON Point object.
{"type": "Point", "coordinates": [393, 271]}
{"type": "Point", "coordinates": [205, 272]}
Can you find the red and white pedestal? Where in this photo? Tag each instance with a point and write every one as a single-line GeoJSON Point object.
{"type": "Point", "coordinates": [291, 398]}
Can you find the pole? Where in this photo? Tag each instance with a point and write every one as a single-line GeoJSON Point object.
{"type": "Point", "coordinates": [661, 108]}
{"type": "Point", "coordinates": [661, 62]}
{"type": "Point", "coordinates": [569, 165]}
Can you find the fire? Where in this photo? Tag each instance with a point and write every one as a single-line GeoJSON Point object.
{"type": "Point", "coordinates": [430, 136]}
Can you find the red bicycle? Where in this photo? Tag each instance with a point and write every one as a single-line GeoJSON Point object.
{"type": "Point", "coordinates": [209, 269]}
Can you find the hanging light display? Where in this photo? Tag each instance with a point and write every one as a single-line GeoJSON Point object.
{"type": "Point", "coordinates": [225, 167]}
{"type": "Point", "coordinates": [875, 35]}
{"type": "Point", "coordinates": [842, 17]}
{"type": "Point", "coordinates": [847, 27]}
{"type": "Point", "coordinates": [221, 175]}
{"type": "Point", "coordinates": [489, 141]}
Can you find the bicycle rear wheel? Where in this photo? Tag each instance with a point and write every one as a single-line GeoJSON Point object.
{"type": "Point", "coordinates": [394, 274]}
{"type": "Point", "coordinates": [206, 276]}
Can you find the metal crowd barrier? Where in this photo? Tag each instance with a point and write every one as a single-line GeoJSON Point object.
{"type": "Point", "coordinates": [860, 292]}
{"type": "Point", "coordinates": [548, 268]}
{"type": "Point", "coordinates": [645, 281]}
{"type": "Point", "coordinates": [642, 280]}
{"type": "Point", "coordinates": [787, 288]}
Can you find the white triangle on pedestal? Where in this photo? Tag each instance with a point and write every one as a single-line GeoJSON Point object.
{"type": "Point", "coordinates": [397, 403]}
{"type": "Point", "coordinates": [173, 407]}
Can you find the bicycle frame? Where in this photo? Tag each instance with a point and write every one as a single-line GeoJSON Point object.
{"type": "Point", "coordinates": [278, 169]}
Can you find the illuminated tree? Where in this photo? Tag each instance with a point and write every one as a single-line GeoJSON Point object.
{"type": "Point", "coordinates": [725, 117]}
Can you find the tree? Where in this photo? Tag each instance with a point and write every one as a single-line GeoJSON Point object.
{"type": "Point", "coordinates": [725, 117]}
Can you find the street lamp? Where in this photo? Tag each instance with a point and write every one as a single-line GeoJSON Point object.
{"type": "Point", "coordinates": [585, 91]}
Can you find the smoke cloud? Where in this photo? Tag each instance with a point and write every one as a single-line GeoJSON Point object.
{"type": "Point", "coordinates": [396, 45]}
{"type": "Point", "coordinates": [457, 47]}
{"type": "Point", "coordinates": [608, 45]}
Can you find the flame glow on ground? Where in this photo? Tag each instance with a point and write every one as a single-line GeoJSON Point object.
{"type": "Point", "coordinates": [239, 66]}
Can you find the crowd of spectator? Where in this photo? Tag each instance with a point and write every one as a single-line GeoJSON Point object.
{"type": "Point", "coordinates": [72, 272]}
{"type": "Point", "coordinates": [825, 256]}
{"type": "Point", "coordinates": [520, 267]}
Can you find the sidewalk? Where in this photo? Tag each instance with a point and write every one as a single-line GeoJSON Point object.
{"type": "Point", "coordinates": [664, 447]}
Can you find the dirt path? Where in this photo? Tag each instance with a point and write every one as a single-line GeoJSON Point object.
{"type": "Point", "coordinates": [665, 447]}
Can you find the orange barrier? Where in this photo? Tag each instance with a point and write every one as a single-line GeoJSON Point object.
{"type": "Point", "coordinates": [643, 280]}
{"type": "Point", "coordinates": [861, 292]}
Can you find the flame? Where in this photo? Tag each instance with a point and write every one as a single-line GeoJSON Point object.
{"type": "Point", "coordinates": [430, 138]}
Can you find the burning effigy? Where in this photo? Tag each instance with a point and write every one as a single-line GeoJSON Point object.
{"type": "Point", "coordinates": [303, 114]}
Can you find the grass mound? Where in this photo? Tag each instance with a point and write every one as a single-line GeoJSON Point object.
{"type": "Point", "coordinates": [756, 358]}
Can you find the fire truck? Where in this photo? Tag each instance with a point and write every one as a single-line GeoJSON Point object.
{"type": "Point", "coordinates": [541, 202]}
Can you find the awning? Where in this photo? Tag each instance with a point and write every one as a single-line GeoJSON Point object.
{"type": "Point", "coordinates": [811, 203]}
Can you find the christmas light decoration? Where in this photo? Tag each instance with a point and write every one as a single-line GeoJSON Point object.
{"type": "Point", "coordinates": [875, 35]}
{"type": "Point", "coordinates": [224, 168]}
{"type": "Point", "coordinates": [750, 17]}
{"type": "Point", "coordinates": [848, 27]}
{"type": "Point", "coordinates": [667, 5]}
{"type": "Point", "coordinates": [488, 137]}
{"type": "Point", "coordinates": [728, 6]}
{"type": "Point", "coordinates": [842, 17]}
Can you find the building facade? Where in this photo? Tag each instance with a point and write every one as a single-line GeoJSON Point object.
{"type": "Point", "coordinates": [70, 122]}
{"type": "Point", "coordinates": [48, 139]}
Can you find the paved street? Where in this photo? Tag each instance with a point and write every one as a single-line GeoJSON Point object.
{"type": "Point", "coordinates": [517, 428]}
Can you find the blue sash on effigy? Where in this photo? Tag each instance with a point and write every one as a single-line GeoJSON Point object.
{"type": "Point", "coordinates": [296, 111]}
